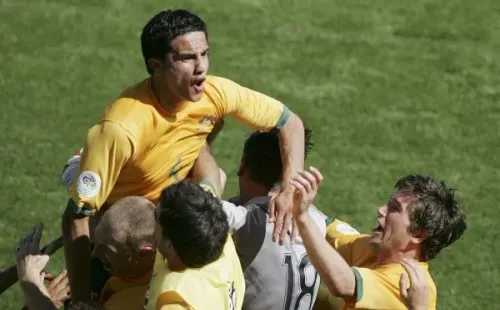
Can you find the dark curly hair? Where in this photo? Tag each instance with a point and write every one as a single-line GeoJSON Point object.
{"type": "Point", "coordinates": [262, 156]}
{"type": "Point", "coordinates": [163, 28]}
{"type": "Point", "coordinates": [194, 222]}
{"type": "Point", "coordinates": [435, 211]}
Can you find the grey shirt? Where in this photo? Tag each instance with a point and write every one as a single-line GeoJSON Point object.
{"type": "Point", "coordinates": [276, 277]}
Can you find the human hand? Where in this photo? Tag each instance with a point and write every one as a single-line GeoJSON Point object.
{"type": "Point", "coordinates": [417, 296]}
{"type": "Point", "coordinates": [58, 288]}
{"type": "Point", "coordinates": [29, 261]}
{"type": "Point", "coordinates": [306, 184]}
{"type": "Point", "coordinates": [280, 212]}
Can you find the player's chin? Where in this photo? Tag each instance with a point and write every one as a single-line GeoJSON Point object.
{"type": "Point", "coordinates": [196, 98]}
{"type": "Point", "coordinates": [375, 239]}
{"type": "Point", "coordinates": [195, 93]}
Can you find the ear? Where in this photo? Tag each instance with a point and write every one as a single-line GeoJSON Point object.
{"type": "Point", "coordinates": [242, 168]}
{"type": "Point", "coordinates": [419, 236]}
{"type": "Point", "coordinates": [156, 66]}
{"type": "Point", "coordinates": [146, 250]}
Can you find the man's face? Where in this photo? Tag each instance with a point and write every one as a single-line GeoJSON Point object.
{"type": "Point", "coordinates": [187, 66]}
{"type": "Point", "coordinates": [113, 254]}
{"type": "Point", "coordinates": [393, 221]}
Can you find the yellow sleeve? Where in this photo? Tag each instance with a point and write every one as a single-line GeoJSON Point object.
{"type": "Point", "coordinates": [171, 301]}
{"type": "Point", "coordinates": [354, 247]}
{"type": "Point", "coordinates": [108, 147]}
{"type": "Point", "coordinates": [252, 108]}
{"type": "Point", "coordinates": [336, 228]}
{"type": "Point", "coordinates": [341, 237]}
{"type": "Point", "coordinates": [375, 290]}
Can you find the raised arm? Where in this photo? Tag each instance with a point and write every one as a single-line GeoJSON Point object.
{"type": "Point", "coordinates": [262, 112]}
{"type": "Point", "coordinates": [9, 276]}
{"type": "Point", "coordinates": [30, 263]}
{"type": "Point", "coordinates": [107, 148]}
{"type": "Point", "coordinates": [334, 271]}
{"type": "Point", "coordinates": [206, 171]}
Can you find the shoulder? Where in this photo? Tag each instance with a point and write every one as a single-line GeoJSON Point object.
{"type": "Point", "coordinates": [217, 88]}
{"type": "Point", "coordinates": [219, 82]}
{"type": "Point", "coordinates": [133, 109]}
{"type": "Point", "coordinates": [110, 131]}
{"type": "Point", "coordinates": [171, 298]}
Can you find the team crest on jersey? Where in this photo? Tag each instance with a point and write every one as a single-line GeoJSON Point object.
{"type": "Point", "coordinates": [207, 122]}
{"type": "Point", "coordinates": [232, 295]}
{"type": "Point", "coordinates": [89, 184]}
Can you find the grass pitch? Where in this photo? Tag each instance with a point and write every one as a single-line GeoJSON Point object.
{"type": "Point", "coordinates": [388, 87]}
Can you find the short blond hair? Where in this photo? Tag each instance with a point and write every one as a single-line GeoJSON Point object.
{"type": "Point", "coordinates": [132, 218]}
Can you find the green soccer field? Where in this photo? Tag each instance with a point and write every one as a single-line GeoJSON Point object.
{"type": "Point", "coordinates": [388, 87]}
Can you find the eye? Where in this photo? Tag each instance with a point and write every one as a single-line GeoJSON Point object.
{"type": "Point", "coordinates": [187, 57]}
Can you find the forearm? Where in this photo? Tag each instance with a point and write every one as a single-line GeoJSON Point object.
{"type": "Point", "coordinates": [8, 278]}
{"type": "Point", "coordinates": [206, 168]}
{"type": "Point", "coordinates": [332, 268]}
{"type": "Point", "coordinates": [35, 298]}
{"type": "Point", "coordinates": [291, 137]}
{"type": "Point", "coordinates": [77, 254]}
{"type": "Point", "coordinates": [215, 131]}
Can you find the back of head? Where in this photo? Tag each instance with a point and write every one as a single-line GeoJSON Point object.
{"type": "Point", "coordinates": [194, 222]}
{"type": "Point", "coordinates": [262, 156]}
{"type": "Point", "coordinates": [131, 219]}
{"type": "Point", "coordinates": [434, 211]}
{"type": "Point", "coordinates": [164, 27]}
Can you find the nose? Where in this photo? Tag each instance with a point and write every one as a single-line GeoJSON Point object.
{"type": "Point", "coordinates": [382, 211]}
{"type": "Point", "coordinates": [201, 65]}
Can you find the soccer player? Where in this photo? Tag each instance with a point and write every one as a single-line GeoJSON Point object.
{"type": "Point", "coordinates": [202, 269]}
{"type": "Point", "coordinates": [124, 242]}
{"type": "Point", "coordinates": [150, 136]}
{"type": "Point", "coordinates": [276, 277]}
{"type": "Point", "coordinates": [421, 218]}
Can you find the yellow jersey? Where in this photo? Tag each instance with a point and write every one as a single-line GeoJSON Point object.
{"type": "Point", "coordinates": [125, 293]}
{"type": "Point", "coordinates": [377, 286]}
{"type": "Point", "coordinates": [138, 148]}
{"type": "Point", "coordinates": [219, 285]}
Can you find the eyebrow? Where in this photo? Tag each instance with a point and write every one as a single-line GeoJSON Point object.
{"type": "Point", "coordinates": [191, 52]}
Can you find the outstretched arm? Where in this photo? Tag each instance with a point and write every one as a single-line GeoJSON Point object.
{"type": "Point", "coordinates": [262, 112]}
{"type": "Point", "coordinates": [337, 275]}
{"type": "Point", "coordinates": [292, 156]}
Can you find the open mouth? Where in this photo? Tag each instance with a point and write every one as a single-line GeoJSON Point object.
{"type": "Point", "coordinates": [379, 228]}
{"type": "Point", "coordinates": [198, 84]}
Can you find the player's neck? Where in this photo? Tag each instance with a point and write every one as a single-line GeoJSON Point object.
{"type": "Point", "coordinates": [165, 97]}
{"type": "Point", "coordinates": [252, 190]}
{"type": "Point", "coordinates": [386, 257]}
